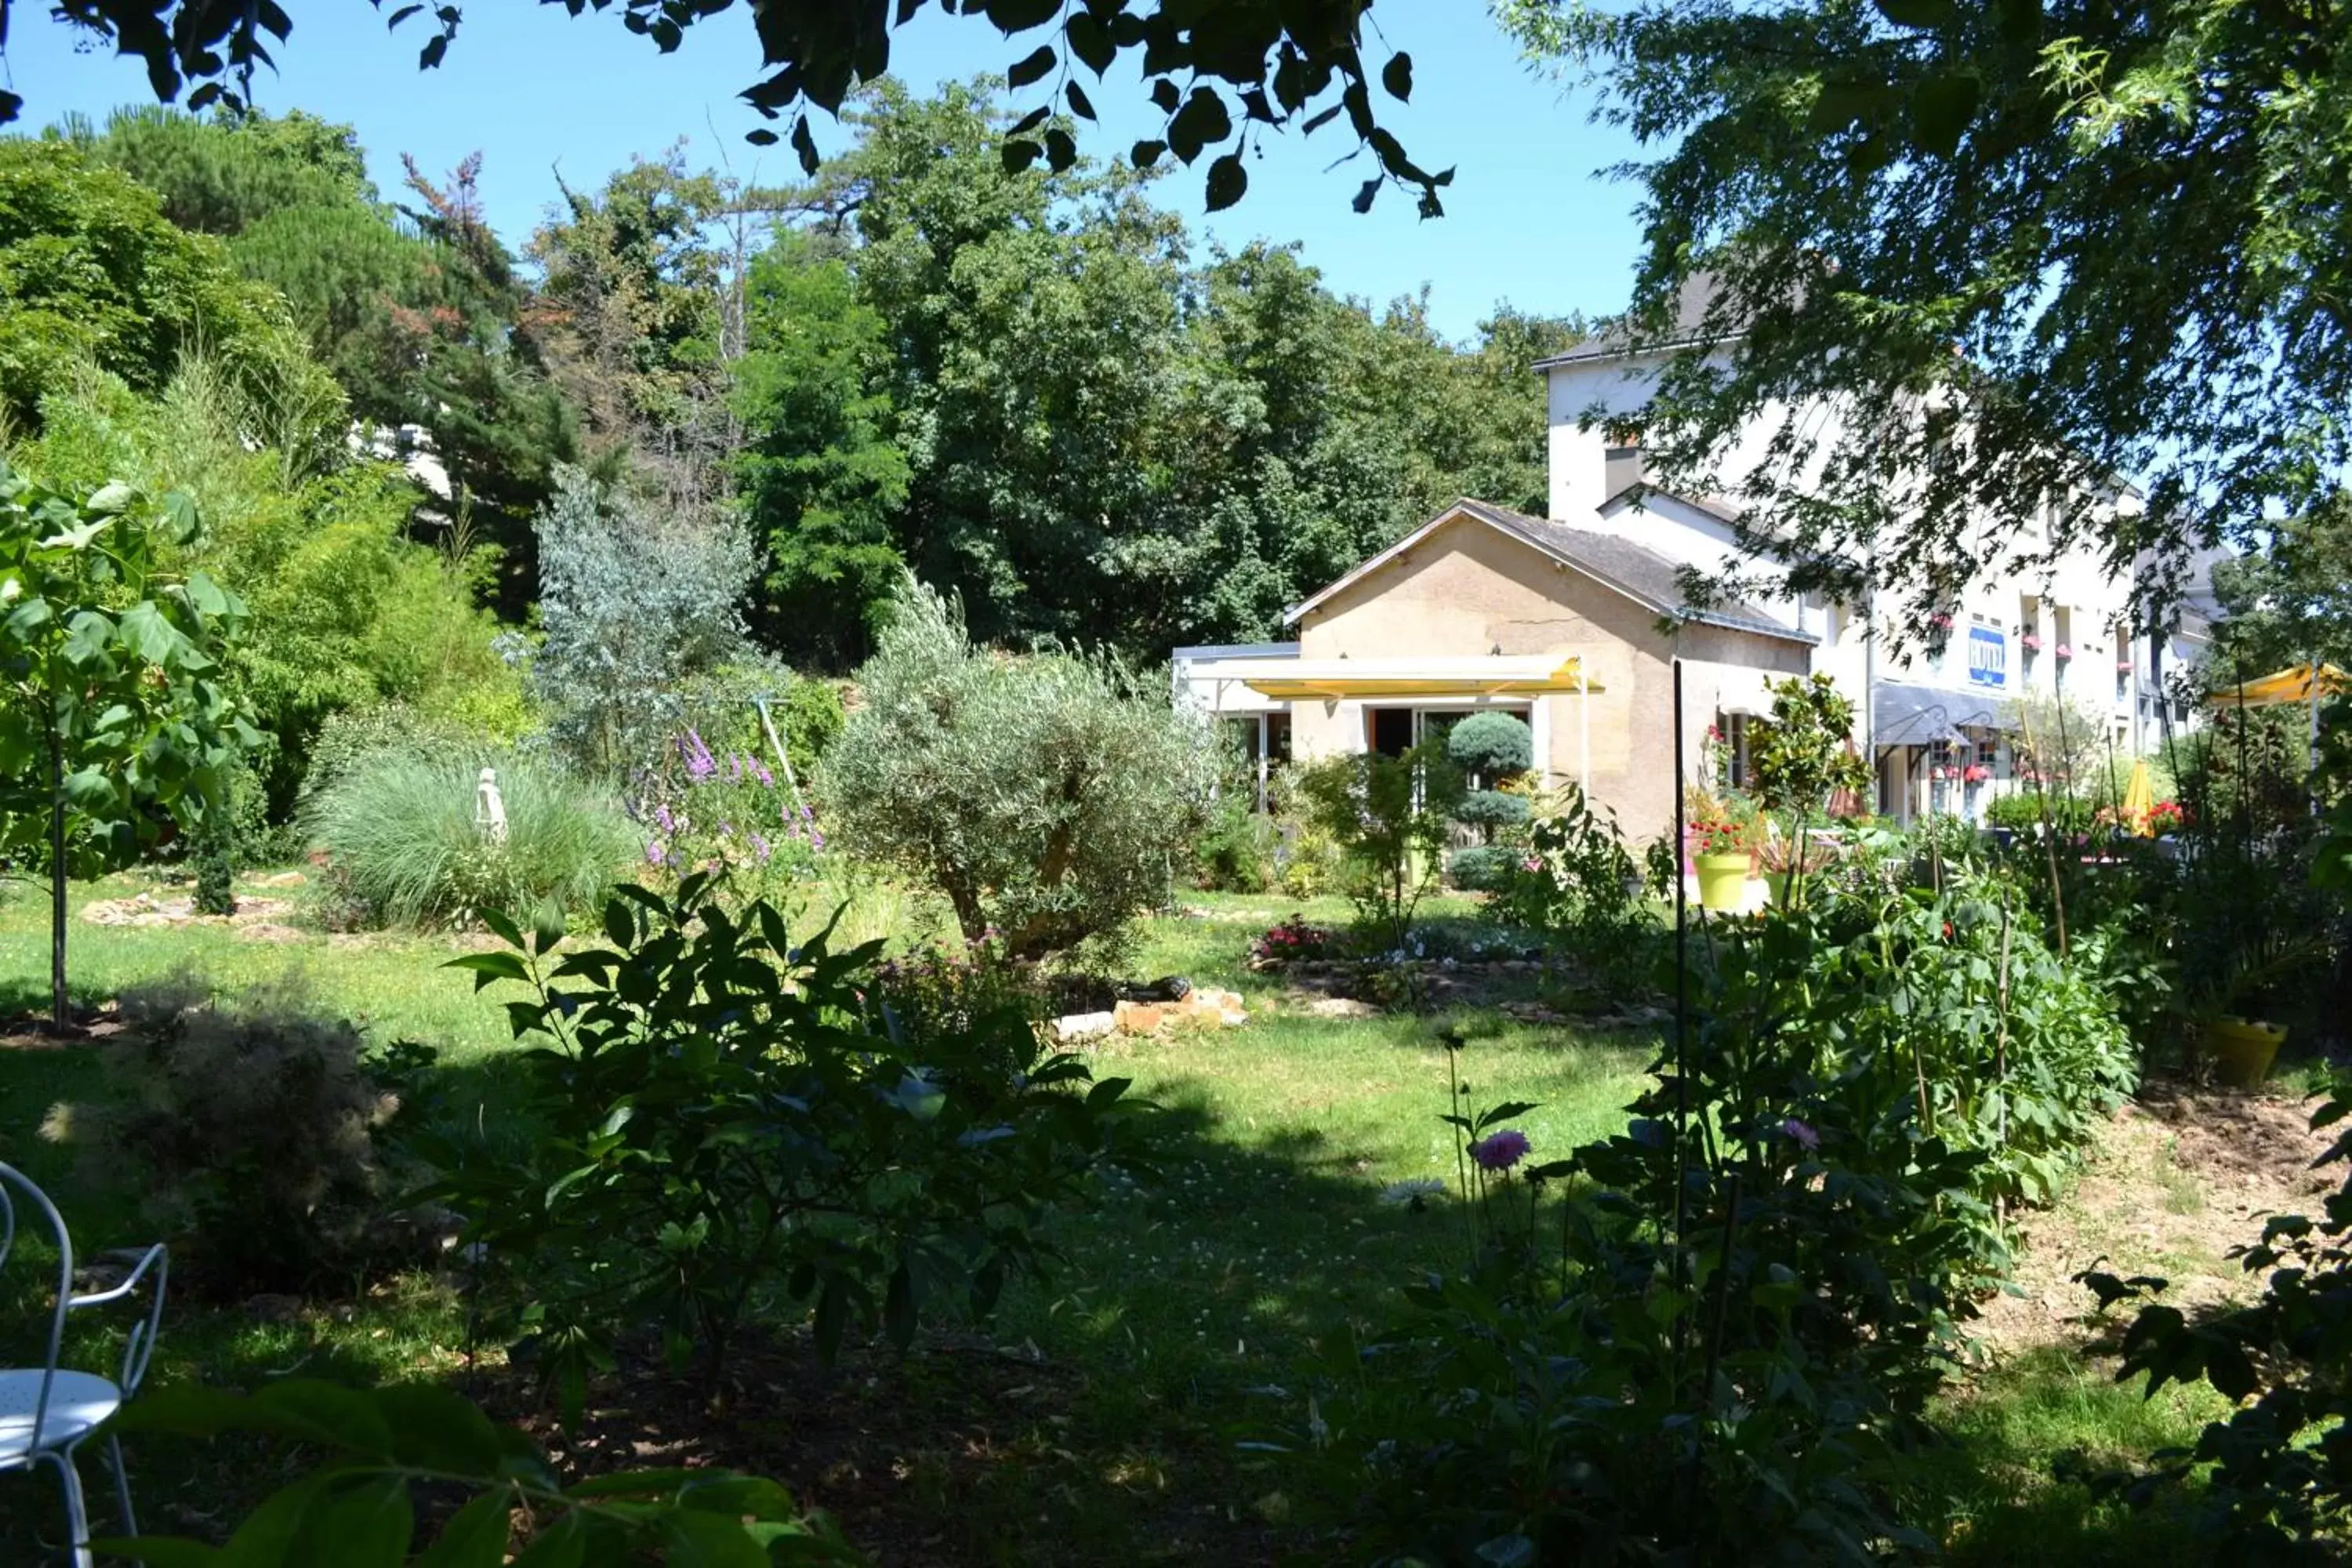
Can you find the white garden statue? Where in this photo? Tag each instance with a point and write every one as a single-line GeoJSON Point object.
{"type": "Point", "coordinates": [490, 808]}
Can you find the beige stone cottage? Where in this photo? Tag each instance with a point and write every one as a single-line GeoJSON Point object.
{"type": "Point", "coordinates": [1483, 607]}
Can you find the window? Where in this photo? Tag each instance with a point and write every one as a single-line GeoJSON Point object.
{"type": "Point", "coordinates": [1735, 750]}
{"type": "Point", "coordinates": [1389, 730]}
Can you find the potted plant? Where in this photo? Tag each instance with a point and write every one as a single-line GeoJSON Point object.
{"type": "Point", "coordinates": [1720, 855]}
{"type": "Point", "coordinates": [2244, 941]}
{"type": "Point", "coordinates": [2062, 653]}
{"type": "Point", "coordinates": [1784, 858]}
{"type": "Point", "coordinates": [1801, 761]}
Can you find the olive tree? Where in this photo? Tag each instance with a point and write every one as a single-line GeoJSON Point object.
{"type": "Point", "coordinates": [116, 716]}
{"type": "Point", "coordinates": [1047, 796]}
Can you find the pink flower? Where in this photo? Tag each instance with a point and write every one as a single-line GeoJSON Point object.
{"type": "Point", "coordinates": [1532, 863]}
{"type": "Point", "coordinates": [1500, 1151]}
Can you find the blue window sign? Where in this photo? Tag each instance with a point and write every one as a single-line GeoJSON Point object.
{"type": "Point", "coordinates": [1988, 656]}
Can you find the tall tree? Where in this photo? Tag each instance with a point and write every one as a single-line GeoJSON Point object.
{"type": "Point", "coordinates": [1986, 256]}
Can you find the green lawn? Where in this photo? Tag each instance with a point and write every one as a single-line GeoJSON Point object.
{"type": "Point", "coordinates": [1263, 1230]}
{"type": "Point", "coordinates": [1095, 1419]}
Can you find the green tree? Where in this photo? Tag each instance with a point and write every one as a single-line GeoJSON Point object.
{"type": "Point", "coordinates": [2289, 600]}
{"type": "Point", "coordinates": [1985, 258]}
{"type": "Point", "coordinates": [1048, 798]}
{"type": "Point", "coordinates": [92, 271]}
{"type": "Point", "coordinates": [821, 474]}
{"type": "Point", "coordinates": [117, 709]}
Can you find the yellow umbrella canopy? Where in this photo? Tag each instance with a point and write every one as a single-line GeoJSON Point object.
{"type": "Point", "coordinates": [2139, 799]}
{"type": "Point", "coordinates": [2297, 686]}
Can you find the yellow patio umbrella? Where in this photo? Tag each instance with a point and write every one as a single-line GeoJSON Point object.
{"type": "Point", "coordinates": [2298, 684]}
{"type": "Point", "coordinates": [2139, 799]}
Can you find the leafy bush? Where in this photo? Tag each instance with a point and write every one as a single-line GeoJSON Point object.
{"type": "Point", "coordinates": [1491, 811]}
{"type": "Point", "coordinates": [1576, 883]}
{"type": "Point", "coordinates": [250, 1127]}
{"type": "Point", "coordinates": [1755, 1287]}
{"type": "Point", "coordinates": [634, 605]}
{"type": "Point", "coordinates": [731, 1119]}
{"type": "Point", "coordinates": [1047, 797]}
{"type": "Point", "coordinates": [403, 850]}
{"type": "Point", "coordinates": [356, 1506]}
{"type": "Point", "coordinates": [1388, 814]}
{"type": "Point", "coordinates": [2022, 812]}
{"type": "Point", "coordinates": [1484, 868]}
{"type": "Point", "coordinates": [1235, 852]}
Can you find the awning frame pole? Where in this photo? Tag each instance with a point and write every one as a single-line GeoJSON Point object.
{"type": "Point", "coordinates": [1583, 732]}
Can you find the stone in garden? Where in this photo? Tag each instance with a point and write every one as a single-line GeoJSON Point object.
{"type": "Point", "coordinates": [283, 879]}
{"type": "Point", "coordinates": [1138, 1018]}
{"type": "Point", "coordinates": [1082, 1027]}
{"type": "Point", "coordinates": [1341, 1007]}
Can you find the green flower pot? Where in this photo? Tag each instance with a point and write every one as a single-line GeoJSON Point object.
{"type": "Point", "coordinates": [1722, 881]}
{"type": "Point", "coordinates": [2242, 1049]}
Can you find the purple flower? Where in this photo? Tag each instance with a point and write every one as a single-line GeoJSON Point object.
{"type": "Point", "coordinates": [759, 846]}
{"type": "Point", "coordinates": [1500, 1151]}
{"type": "Point", "coordinates": [656, 855]}
{"type": "Point", "coordinates": [700, 763]}
{"type": "Point", "coordinates": [817, 840]}
{"type": "Point", "coordinates": [807, 814]}
{"type": "Point", "coordinates": [662, 815]}
{"type": "Point", "coordinates": [1805, 1136]}
{"type": "Point", "coordinates": [766, 778]}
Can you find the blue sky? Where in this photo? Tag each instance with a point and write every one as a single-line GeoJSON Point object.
{"type": "Point", "coordinates": [1529, 218]}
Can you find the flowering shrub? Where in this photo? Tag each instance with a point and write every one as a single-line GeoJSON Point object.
{"type": "Point", "coordinates": [2062, 653]}
{"type": "Point", "coordinates": [1295, 939]}
{"type": "Point", "coordinates": [2031, 642]}
{"type": "Point", "coordinates": [2168, 817]}
{"type": "Point", "coordinates": [703, 815]}
{"type": "Point", "coordinates": [1718, 835]}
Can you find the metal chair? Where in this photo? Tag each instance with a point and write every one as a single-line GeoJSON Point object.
{"type": "Point", "coordinates": [47, 1412]}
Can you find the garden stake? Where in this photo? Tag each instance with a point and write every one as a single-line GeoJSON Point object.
{"type": "Point", "coordinates": [783, 762]}
{"type": "Point", "coordinates": [1681, 1020]}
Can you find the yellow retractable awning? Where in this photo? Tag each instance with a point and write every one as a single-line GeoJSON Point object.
{"type": "Point", "coordinates": [2294, 685]}
{"type": "Point", "coordinates": [1339, 680]}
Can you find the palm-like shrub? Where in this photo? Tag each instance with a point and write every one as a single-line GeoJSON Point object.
{"type": "Point", "coordinates": [403, 850]}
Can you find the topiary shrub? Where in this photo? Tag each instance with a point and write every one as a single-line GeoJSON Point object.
{"type": "Point", "coordinates": [1491, 746]}
{"type": "Point", "coordinates": [1048, 797]}
{"type": "Point", "coordinates": [403, 847]}
{"type": "Point", "coordinates": [1491, 810]}
{"type": "Point", "coordinates": [1483, 867]}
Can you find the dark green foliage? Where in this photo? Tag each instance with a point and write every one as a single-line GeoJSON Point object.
{"type": "Point", "coordinates": [732, 1122]}
{"type": "Point", "coordinates": [92, 270]}
{"type": "Point", "coordinates": [215, 865]}
{"type": "Point", "coordinates": [1483, 867]}
{"type": "Point", "coordinates": [820, 473]}
{"type": "Point", "coordinates": [2023, 810]}
{"type": "Point", "coordinates": [1717, 1346]}
{"type": "Point", "coordinates": [1491, 746]}
{"type": "Point", "coordinates": [1389, 816]}
{"type": "Point", "coordinates": [248, 1127]}
{"type": "Point", "coordinates": [370, 1447]}
{"type": "Point", "coordinates": [1239, 63]}
{"type": "Point", "coordinates": [1804, 753]}
{"type": "Point", "coordinates": [1491, 810]}
{"type": "Point", "coordinates": [1235, 852]}
{"type": "Point", "coordinates": [1576, 883]}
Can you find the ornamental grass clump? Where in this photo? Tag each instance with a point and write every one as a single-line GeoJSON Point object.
{"type": "Point", "coordinates": [403, 847]}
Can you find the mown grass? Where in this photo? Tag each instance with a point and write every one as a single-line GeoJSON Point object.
{"type": "Point", "coordinates": [1184, 1301]}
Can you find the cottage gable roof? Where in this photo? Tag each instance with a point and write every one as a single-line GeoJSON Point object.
{"type": "Point", "coordinates": [1642, 575]}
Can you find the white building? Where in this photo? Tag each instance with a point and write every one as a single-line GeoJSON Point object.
{"type": "Point", "coordinates": [1477, 581]}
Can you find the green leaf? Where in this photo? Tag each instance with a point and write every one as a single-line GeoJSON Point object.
{"type": "Point", "coordinates": [502, 925]}
{"type": "Point", "coordinates": [1396, 76]}
{"type": "Point", "coordinates": [561, 1544]}
{"type": "Point", "coordinates": [476, 1537]}
{"type": "Point", "coordinates": [1228, 182]}
{"type": "Point", "coordinates": [181, 516]}
{"type": "Point", "coordinates": [491, 967]}
{"type": "Point", "coordinates": [1920, 14]}
{"type": "Point", "coordinates": [111, 499]}
{"type": "Point", "coordinates": [697, 1540]}
{"type": "Point", "coordinates": [433, 1428]}
{"type": "Point", "coordinates": [1032, 66]}
{"type": "Point", "coordinates": [1202, 122]}
{"type": "Point", "coordinates": [91, 792]}
{"type": "Point", "coordinates": [1941, 108]}
{"type": "Point", "coordinates": [367, 1525]}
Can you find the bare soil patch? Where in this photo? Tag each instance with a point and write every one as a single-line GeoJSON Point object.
{"type": "Point", "coordinates": [2182, 1176]}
